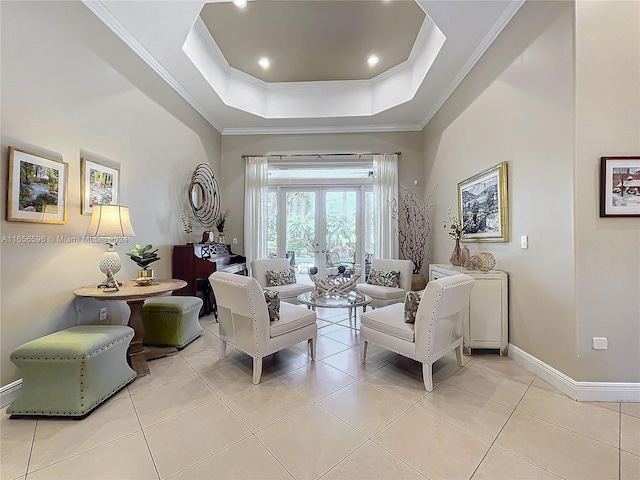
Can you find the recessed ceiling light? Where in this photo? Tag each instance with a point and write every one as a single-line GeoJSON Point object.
{"type": "Point", "coordinates": [264, 62]}
{"type": "Point", "coordinates": [240, 3]}
{"type": "Point", "coordinates": [373, 60]}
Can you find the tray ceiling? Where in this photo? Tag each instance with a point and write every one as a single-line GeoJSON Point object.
{"type": "Point", "coordinates": [318, 79]}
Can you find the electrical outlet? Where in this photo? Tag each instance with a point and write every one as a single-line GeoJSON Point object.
{"type": "Point", "coordinates": [524, 241]}
{"type": "Point", "coordinates": [235, 241]}
{"type": "Point", "coordinates": [103, 314]}
{"type": "Point", "coordinates": [599, 343]}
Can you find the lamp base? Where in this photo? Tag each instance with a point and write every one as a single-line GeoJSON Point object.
{"type": "Point", "coordinates": [110, 283]}
{"type": "Point", "coordinates": [110, 265]}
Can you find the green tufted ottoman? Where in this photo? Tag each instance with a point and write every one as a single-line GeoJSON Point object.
{"type": "Point", "coordinates": [69, 373]}
{"type": "Point", "coordinates": [171, 321]}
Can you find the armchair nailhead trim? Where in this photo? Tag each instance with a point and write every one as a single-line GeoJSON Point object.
{"type": "Point", "coordinates": [253, 309]}
{"type": "Point", "coordinates": [129, 336]}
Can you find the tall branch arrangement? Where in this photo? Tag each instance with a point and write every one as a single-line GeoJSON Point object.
{"type": "Point", "coordinates": [414, 226]}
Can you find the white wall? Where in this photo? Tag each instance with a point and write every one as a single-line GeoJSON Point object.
{"type": "Point", "coordinates": [70, 88]}
{"type": "Point", "coordinates": [558, 89]}
{"type": "Point", "coordinates": [607, 252]}
{"type": "Point", "coordinates": [410, 163]}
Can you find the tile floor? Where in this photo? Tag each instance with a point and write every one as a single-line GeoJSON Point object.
{"type": "Point", "coordinates": [197, 417]}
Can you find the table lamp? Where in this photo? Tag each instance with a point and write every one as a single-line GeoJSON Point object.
{"type": "Point", "coordinates": [112, 222]}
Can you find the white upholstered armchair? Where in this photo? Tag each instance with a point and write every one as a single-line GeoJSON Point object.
{"type": "Point", "coordinates": [288, 293]}
{"type": "Point", "coordinates": [244, 320]}
{"type": "Point", "coordinates": [384, 295]}
{"type": "Point", "coordinates": [437, 329]}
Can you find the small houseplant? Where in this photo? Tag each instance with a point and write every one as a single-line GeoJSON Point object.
{"type": "Point", "coordinates": [143, 257]}
{"type": "Point", "coordinates": [220, 223]}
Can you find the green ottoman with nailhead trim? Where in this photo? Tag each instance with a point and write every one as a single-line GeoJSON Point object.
{"type": "Point", "coordinates": [171, 321]}
{"type": "Point", "coordinates": [71, 372]}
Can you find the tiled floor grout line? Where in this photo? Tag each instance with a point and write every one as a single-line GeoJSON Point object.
{"type": "Point", "coordinates": [541, 419]}
{"type": "Point", "coordinates": [144, 436]}
{"type": "Point", "coordinates": [395, 456]}
{"type": "Point", "coordinates": [619, 442]}
{"type": "Point", "coordinates": [114, 440]}
{"type": "Point", "coordinates": [567, 429]}
{"type": "Point", "coordinates": [500, 431]}
{"type": "Point", "coordinates": [274, 457]}
{"type": "Point", "coordinates": [33, 442]}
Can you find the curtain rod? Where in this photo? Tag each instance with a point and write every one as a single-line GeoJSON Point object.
{"type": "Point", "coordinates": [343, 154]}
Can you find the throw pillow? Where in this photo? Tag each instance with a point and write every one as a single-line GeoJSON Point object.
{"type": "Point", "coordinates": [277, 278]}
{"type": "Point", "coordinates": [273, 304]}
{"type": "Point", "coordinates": [411, 304]}
{"type": "Point", "coordinates": [384, 278]}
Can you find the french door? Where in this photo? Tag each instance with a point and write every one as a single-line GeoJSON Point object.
{"type": "Point", "coordinates": [320, 227]}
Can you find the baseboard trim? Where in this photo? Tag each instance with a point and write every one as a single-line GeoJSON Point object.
{"type": "Point", "coordinates": [580, 391]}
{"type": "Point", "coordinates": [9, 393]}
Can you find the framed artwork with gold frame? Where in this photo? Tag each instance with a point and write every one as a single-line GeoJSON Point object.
{"type": "Point", "coordinates": [100, 184]}
{"type": "Point", "coordinates": [37, 188]}
{"type": "Point", "coordinates": [483, 206]}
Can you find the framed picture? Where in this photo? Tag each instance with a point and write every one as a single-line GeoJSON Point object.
{"type": "Point", "coordinates": [37, 188]}
{"type": "Point", "coordinates": [620, 186]}
{"type": "Point", "coordinates": [483, 206]}
{"type": "Point", "coordinates": [100, 185]}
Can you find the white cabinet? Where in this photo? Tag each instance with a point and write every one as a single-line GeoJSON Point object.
{"type": "Point", "coordinates": [486, 324]}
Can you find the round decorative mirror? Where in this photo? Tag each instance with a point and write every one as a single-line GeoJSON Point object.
{"type": "Point", "coordinates": [197, 196]}
{"type": "Point", "coordinates": [204, 195]}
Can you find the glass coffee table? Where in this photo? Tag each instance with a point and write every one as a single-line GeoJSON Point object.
{"type": "Point", "coordinates": [350, 301]}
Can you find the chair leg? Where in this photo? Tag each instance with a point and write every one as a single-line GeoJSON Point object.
{"type": "Point", "coordinates": [223, 349]}
{"type": "Point", "coordinates": [458, 350]}
{"type": "Point", "coordinates": [257, 370]}
{"type": "Point", "coordinates": [427, 376]}
{"type": "Point", "coordinates": [363, 350]}
{"type": "Point", "coordinates": [312, 347]}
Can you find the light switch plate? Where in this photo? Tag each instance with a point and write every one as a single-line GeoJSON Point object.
{"type": "Point", "coordinates": [524, 241]}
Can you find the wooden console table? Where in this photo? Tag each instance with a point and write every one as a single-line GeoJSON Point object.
{"type": "Point", "coordinates": [135, 295]}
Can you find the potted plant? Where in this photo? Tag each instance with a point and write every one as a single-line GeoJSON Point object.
{"type": "Point", "coordinates": [220, 223]}
{"type": "Point", "coordinates": [414, 231]}
{"type": "Point", "coordinates": [143, 257]}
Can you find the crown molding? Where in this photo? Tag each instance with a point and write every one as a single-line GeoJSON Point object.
{"type": "Point", "coordinates": [317, 129]}
{"type": "Point", "coordinates": [101, 10]}
{"type": "Point", "coordinates": [498, 26]}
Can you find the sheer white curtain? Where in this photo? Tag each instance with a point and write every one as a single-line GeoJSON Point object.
{"type": "Point", "coordinates": [255, 208]}
{"type": "Point", "coordinates": [385, 189]}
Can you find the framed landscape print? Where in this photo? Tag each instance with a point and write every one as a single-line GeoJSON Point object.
{"type": "Point", "coordinates": [620, 186]}
{"type": "Point", "coordinates": [100, 185]}
{"type": "Point", "coordinates": [37, 189]}
{"type": "Point", "coordinates": [483, 206]}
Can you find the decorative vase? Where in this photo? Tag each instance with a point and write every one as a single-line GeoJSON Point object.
{"type": "Point", "coordinates": [418, 282]}
{"type": "Point", "coordinates": [221, 238]}
{"type": "Point", "coordinates": [466, 255]}
{"type": "Point", "coordinates": [457, 256]}
{"type": "Point", "coordinates": [145, 273]}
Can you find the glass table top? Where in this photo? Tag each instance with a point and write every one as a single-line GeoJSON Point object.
{"type": "Point", "coordinates": [352, 299]}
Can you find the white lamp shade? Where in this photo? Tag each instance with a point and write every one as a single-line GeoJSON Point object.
{"type": "Point", "coordinates": [110, 221]}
